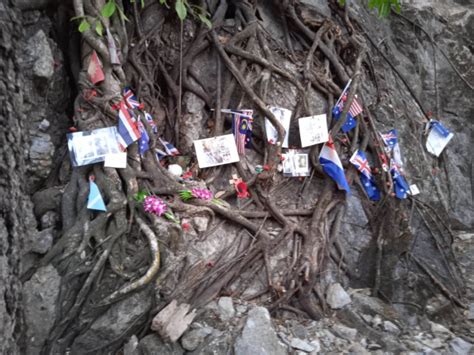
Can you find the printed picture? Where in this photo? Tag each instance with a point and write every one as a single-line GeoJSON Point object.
{"type": "Point", "coordinates": [284, 116]}
{"type": "Point", "coordinates": [216, 151]}
{"type": "Point", "coordinates": [313, 130]}
{"type": "Point", "coordinates": [91, 147]}
{"type": "Point", "coordinates": [295, 164]}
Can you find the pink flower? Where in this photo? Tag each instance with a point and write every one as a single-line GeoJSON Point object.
{"type": "Point", "coordinates": [185, 226]}
{"type": "Point", "coordinates": [202, 194]}
{"type": "Point", "coordinates": [155, 205]}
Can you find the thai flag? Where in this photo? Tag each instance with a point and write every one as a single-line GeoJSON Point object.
{"type": "Point", "coordinates": [390, 138]}
{"type": "Point", "coordinates": [359, 160]}
{"type": "Point", "coordinates": [128, 131]}
{"type": "Point", "coordinates": [400, 185]}
{"type": "Point", "coordinates": [332, 165]}
{"type": "Point", "coordinates": [151, 122]}
{"type": "Point", "coordinates": [170, 148]}
{"type": "Point", "coordinates": [131, 99]}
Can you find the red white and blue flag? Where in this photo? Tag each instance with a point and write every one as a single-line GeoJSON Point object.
{"type": "Point", "coordinates": [359, 160]}
{"type": "Point", "coordinates": [151, 122]}
{"type": "Point", "coordinates": [354, 110]}
{"type": "Point", "coordinates": [332, 165]}
{"type": "Point", "coordinates": [143, 142]}
{"type": "Point", "coordinates": [169, 148]}
{"type": "Point", "coordinates": [390, 138]}
{"type": "Point", "coordinates": [128, 131]}
{"type": "Point", "coordinates": [242, 122]}
{"type": "Point", "coordinates": [130, 99]}
{"type": "Point", "coordinates": [400, 185]}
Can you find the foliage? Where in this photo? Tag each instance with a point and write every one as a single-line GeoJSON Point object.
{"type": "Point", "coordinates": [383, 6]}
{"type": "Point", "coordinates": [182, 8]}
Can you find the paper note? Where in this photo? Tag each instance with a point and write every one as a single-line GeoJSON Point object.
{"type": "Point", "coordinates": [215, 151]}
{"type": "Point", "coordinates": [313, 130]}
{"type": "Point", "coordinates": [284, 116]}
{"type": "Point", "coordinates": [414, 190]}
{"type": "Point", "coordinates": [116, 160]}
{"type": "Point", "coordinates": [436, 142]}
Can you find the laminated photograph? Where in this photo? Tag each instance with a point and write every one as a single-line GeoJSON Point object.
{"type": "Point", "coordinates": [91, 147]}
{"type": "Point", "coordinates": [313, 130]}
{"type": "Point", "coordinates": [284, 116]}
{"type": "Point", "coordinates": [295, 164]}
{"type": "Point", "coordinates": [216, 151]}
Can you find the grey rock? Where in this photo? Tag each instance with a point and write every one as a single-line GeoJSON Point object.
{"type": "Point", "coordinates": [460, 347]}
{"type": "Point", "coordinates": [200, 223]}
{"type": "Point", "coordinates": [130, 347]}
{"type": "Point", "coordinates": [470, 315]}
{"type": "Point", "coordinates": [49, 219]}
{"type": "Point", "coordinates": [316, 345]}
{"type": "Point", "coordinates": [114, 322]}
{"type": "Point", "coordinates": [40, 51]}
{"type": "Point", "coordinates": [300, 344]}
{"type": "Point", "coordinates": [226, 308]}
{"type": "Point", "coordinates": [44, 125]}
{"type": "Point", "coordinates": [39, 301]}
{"type": "Point", "coordinates": [152, 345]}
{"type": "Point", "coordinates": [320, 5]}
{"type": "Point", "coordinates": [345, 332]}
{"type": "Point", "coordinates": [191, 340]}
{"type": "Point", "coordinates": [391, 328]}
{"type": "Point", "coordinates": [42, 241]}
{"type": "Point", "coordinates": [357, 349]}
{"type": "Point", "coordinates": [441, 331]}
{"type": "Point", "coordinates": [258, 335]}
{"type": "Point", "coordinates": [337, 297]}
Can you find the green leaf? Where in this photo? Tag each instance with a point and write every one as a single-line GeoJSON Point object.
{"type": "Point", "coordinates": [205, 20]}
{"type": "Point", "coordinates": [140, 196]}
{"type": "Point", "coordinates": [163, 2]}
{"type": "Point", "coordinates": [108, 9]}
{"type": "Point", "coordinates": [99, 29]}
{"type": "Point", "coordinates": [342, 2]}
{"type": "Point", "coordinates": [122, 15]}
{"type": "Point", "coordinates": [84, 26]}
{"type": "Point", "coordinates": [181, 9]}
{"type": "Point", "coordinates": [143, 4]}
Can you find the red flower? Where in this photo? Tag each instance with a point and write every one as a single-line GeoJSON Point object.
{"type": "Point", "coordinates": [266, 167]}
{"type": "Point", "coordinates": [242, 189]}
{"type": "Point", "coordinates": [187, 175]}
{"type": "Point", "coordinates": [185, 226]}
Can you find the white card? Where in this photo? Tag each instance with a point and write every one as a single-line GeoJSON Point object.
{"type": "Point", "coordinates": [284, 116]}
{"type": "Point", "coordinates": [436, 143]}
{"type": "Point", "coordinates": [215, 151]}
{"type": "Point", "coordinates": [313, 130]}
{"type": "Point", "coordinates": [414, 190]}
{"type": "Point", "coordinates": [117, 160]}
{"type": "Point", "coordinates": [295, 164]}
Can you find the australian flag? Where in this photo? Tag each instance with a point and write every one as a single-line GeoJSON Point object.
{"type": "Point", "coordinates": [242, 122]}
{"type": "Point", "coordinates": [355, 109]}
{"type": "Point", "coordinates": [390, 138]}
{"type": "Point", "coordinates": [400, 185]}
{"type": "Point", "coordinates": [143, 143]}
{"type": "Point", "coordinates": [359, 160]}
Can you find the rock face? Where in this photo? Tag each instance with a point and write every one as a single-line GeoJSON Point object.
{"type": "Point", "coordinates": [258, 335]}
{"type": "Point", "coordinates": [40, 295]}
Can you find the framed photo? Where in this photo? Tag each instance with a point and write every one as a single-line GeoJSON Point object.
{"type": "Point", "coordinates": [91, 147]}
{"type": "Point", "coordinates": [284, 116]}
{"type": "Point", "coordinates": [313, 130]}
{"type": "Point", "coordinates": [216, 151]}
{"type": "Point", "coordinates": [295, 164]}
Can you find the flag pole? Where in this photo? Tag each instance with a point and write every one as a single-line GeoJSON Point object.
{"type": "Point", "coordinates": [344, 91]}
{"type": "Point", "coordinates": [226, 110]}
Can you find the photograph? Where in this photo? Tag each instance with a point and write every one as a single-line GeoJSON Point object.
{"type": "Point", "coordinates": [91, 147]}
{"type": "Point", "coordinates": [313, 130]}
{"type": "Point", "coordinates": [295, 164]}
{"type": "Point", "coordinates": [216, 151]}
{"type": "Point", "coordinates": [284, 116]}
